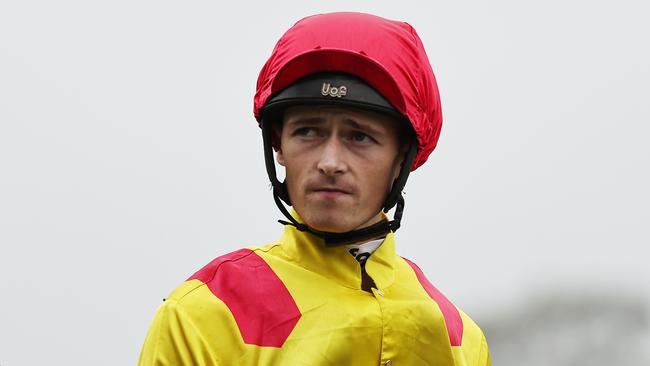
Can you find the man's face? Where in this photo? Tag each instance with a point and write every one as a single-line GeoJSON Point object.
{"type": "Point", "coordinates": [340, 164]}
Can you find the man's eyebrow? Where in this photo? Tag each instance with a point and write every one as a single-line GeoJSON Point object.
{"type": "Point", "coordinates": [350, 122]}
{"type": "Point", "coordinates": [370, 127]}
{"type": "Point", "coordinates": [310, 120]}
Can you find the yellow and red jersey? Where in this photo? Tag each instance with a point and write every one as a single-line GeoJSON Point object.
{"type": "Point", "coordinates": [296, 302]}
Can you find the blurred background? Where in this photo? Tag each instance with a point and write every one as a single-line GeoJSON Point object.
{"type": "Point", "coordinates": [129, 158]}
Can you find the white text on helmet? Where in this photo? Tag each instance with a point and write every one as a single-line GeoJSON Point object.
{"type": "Point", "coordinates": [333, 91]}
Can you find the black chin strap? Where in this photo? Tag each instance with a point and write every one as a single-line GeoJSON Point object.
{"type": "Point", "coordinates": [375, 231]}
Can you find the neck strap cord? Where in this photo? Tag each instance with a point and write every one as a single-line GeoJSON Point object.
{"type": "Point", "coordinates": [331, 239]}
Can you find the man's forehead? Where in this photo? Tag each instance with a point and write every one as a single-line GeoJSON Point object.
{"type": "Point", "coordinates": [321, 113]}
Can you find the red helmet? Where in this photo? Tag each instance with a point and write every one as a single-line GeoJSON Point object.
{"type": "Point", "coordinates": [386, 54]}
{"type": "Point", "coordinates": [372, 63]}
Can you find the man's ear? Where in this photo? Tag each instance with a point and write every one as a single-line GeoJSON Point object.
{"type": "Point", "coordinates": [277, 138]}
{"type": "Point", "coordinates": [401, 156]}
{"type": "Point", "coordinates": [279, 156]}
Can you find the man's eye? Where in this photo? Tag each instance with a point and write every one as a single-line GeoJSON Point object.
{"type": "Point", "coordinates": [305, 132]}
{"type": "Point", "coordinates": [361, 137]}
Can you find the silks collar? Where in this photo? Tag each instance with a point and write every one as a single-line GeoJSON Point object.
{"type": "Point", "coordinates": [336, 263]}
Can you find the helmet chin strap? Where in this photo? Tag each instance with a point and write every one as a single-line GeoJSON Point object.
{"type": "Point", "coordinates": [380, 229]}
{"type": "Point", "coordinates": [332, 239]}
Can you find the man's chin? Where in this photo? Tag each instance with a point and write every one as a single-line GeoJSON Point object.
{"type": "Point", "coordinates": [330, 227]}
{"type": "Point", "coordinates": [336, 220]}
{"type": "Point", "coordinates": [328, 222]}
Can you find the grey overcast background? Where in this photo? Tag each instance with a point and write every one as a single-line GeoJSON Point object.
{"type": "Point", "coordinates": [129, 158]}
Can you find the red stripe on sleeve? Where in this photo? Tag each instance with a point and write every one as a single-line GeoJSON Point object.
{"type": "Point", "coordinates": [453, 321]}
{"type": "Point", "coordinates": [262, 306]}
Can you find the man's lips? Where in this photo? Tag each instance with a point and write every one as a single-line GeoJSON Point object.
{"type": "Point", "coordinates": [333, 190]}
{"type": "Point", "coordinates": [330, 192]}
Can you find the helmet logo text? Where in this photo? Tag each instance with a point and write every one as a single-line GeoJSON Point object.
{"type": "Point", "coordinates": [334, 91]}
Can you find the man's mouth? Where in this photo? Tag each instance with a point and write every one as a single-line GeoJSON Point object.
{"type": "Point", "coordinates": [331, 192]}
{"type": "Point", "coordinates": [336, 190]}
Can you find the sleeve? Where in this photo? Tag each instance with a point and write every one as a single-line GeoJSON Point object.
{"type": "Point", "coordinates": [173, 339]}
{"type": "Point", "coordinates": [484, 354]}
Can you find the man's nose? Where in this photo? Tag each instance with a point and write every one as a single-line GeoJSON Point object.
{"type": "Point", "coordinates": [331, 161]}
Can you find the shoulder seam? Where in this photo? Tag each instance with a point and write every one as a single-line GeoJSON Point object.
{"type": "Point", "coordinates": [259, 249]}
{"type": "Point", "coordinates": [201, 284]}
{"type": "Point", "coordinates": [214, 274]}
